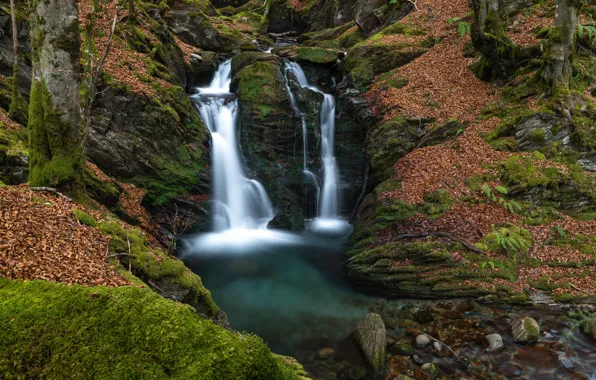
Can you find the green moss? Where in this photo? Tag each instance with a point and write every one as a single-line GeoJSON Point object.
{"type": "Point", "coordinates": [255, 20]}
{"type": "Point", "coordinates": [56, 331]}
{"type": "Point", "coordinates": [152, 264]}
{"type": "Point", "coordinates": [350, 38]}
{"type": "Point", "coordinates": [85, 218]}
{"type": "Point", "coordinates": [315, 54]}
{"type": "Point", "coordinates": [257, 83]}
{"type": "Point", "coordinates": [56, 154]}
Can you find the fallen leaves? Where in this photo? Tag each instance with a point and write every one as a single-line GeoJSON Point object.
{"type": "Point", "coordinates": [41, 238]}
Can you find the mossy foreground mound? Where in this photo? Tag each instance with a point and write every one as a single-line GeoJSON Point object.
{"type": "Point", "coordinates": [55, 331]}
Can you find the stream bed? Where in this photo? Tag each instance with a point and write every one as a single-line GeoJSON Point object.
{"type": "Point", "coordinates": [290, 290]}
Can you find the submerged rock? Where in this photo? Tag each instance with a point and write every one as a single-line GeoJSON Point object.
{"type": "Point", "coordinates": [371, 340]}
{"type": "Point", "coordinates": [495, 342]}
{"type": "Point", "coordinates": [326, 353]}
{"type": "Point", "coordinates": [525, 330]}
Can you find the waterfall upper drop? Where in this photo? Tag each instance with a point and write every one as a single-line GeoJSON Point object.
{"type": "Point", "coordinates": [239, 202]}
{"type": "Point", "coordinates": [328, 207]}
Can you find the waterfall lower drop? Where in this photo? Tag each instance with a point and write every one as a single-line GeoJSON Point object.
{"type": "Point", "coordinates": [240, 203]}
{"type": "Point", "coordinates": [328, 203]}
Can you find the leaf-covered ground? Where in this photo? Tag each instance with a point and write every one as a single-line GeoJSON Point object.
{"type": "Point", "coordinates": [440, 87]}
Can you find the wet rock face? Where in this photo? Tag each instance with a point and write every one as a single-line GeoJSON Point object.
{"type": "Point", "coordinates": [525, 330]}
{"type": "Point", "coordinates": [271, 136]}
{"type": "Point", "coordinates": [370, 335]}
{"type": "Point", "coordinates": [138, 140]}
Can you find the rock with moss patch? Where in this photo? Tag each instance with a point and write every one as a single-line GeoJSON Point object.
{"type": "Point", "coordinates": [428, 371]}
{"type": "Point", "coordinates": [525, 330]}
{"type": "Point", "coordinates": [370, 336]}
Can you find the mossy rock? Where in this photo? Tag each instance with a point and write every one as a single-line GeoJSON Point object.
{"type": "Point", "coordinates": [57, 331]}
{"type": "Point", "coordinates": [247, 58]}
{"type": "Point", "coordinates": [390, 141]}
{"type": "Point", "coordinates": [365, 61]}
{"type": "Point", "coordinates": [165, 274]}
{"type": "Point", "coordinates": [310, 54]}
{"type": "Point", "coordinates": [258, 22]}
{"type": "Point", "coordinates": [327, 35]}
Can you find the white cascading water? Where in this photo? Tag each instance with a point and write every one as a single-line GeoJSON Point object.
{"type": "Point", "coordinates": [239, 202]}
{"type": "Point", "coordinates": [329, 198]}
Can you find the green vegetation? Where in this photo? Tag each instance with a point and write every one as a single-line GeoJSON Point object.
{"type": "Point", "coordinates": [85, 218]}
{"type": "Point", "coordinates": [512, 240]}
{"type": "Point", "coordinates": [153, 265]}
{"type": "Point", "coordinates": [56, 155]}
{"type": "Point", "coordinates": [56, 331]}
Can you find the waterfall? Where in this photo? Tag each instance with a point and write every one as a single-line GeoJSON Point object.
{"type": "Point", "coordinates": [328, 207]}
{"type": "Point", "coordinates": [239, 202]}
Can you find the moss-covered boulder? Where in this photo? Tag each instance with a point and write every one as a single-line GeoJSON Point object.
{"type": "Point", "coordinates": [370, 336]}
{"type": "Point", "coordinates": [164, 274]}
{"type": "Point", "coordinates": [365, 61]}
{"type": "Point", "coordinates": [73, 332]}
{"type": "Point", "coordinates": [310, 54]}
{"type": "Point", "coordinates": [525, 330]}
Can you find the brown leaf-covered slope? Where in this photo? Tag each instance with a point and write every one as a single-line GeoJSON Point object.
{"type": "Point", "coordinates": [41, 238]}
{"type": "Point", "coordinates": [441, 87]}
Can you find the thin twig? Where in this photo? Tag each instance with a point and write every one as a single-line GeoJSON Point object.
{"type": "Point", "coordinates": [129, 254]}
{"type": "Point", "coordinates": [51, 190]}
{"type": "Point", "coordinates": [439, 234]}
{"type": "Point", "coordinates": [582, 290]}
{"type": "Point", "coordinates": [362, 194]}
{"type": "Point", "coordinates": [444, 344]}
{"type": "Point", "coordinates": [415, 5]}
{"type": "Point", "coordinates": [120, 255]}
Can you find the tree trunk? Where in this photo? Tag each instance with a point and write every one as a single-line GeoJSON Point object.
{"type": "Point", "coordinates": [56, 153]}
{"type": "Point", "coordinates": [499, 53]}
{"type": "Point", "coordinates": [562, 45]}
{"type": "Point", "coordinates": [14, 100]}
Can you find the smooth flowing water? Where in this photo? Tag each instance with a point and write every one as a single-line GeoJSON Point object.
{"type": "Point", "coordinates": [328, 207]}
{"type": "Point", "coordinates": [239, 202]}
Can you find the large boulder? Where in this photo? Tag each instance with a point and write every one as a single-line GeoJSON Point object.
{"type": "Point", "coordinates": [370, 336]}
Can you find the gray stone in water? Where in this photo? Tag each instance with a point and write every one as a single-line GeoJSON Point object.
{"type": "Point", "coordinates": [495, 342]}
{"type": "Point", "coordinates": [565, 361]}
{"type": "Point", "coordinates": [422, 341]}
{"type": "Point", "coordinates": [438, 347]}
{"type": "Point", "coordinates": [370, 337]}
{"type": "Point", "coordinates": [525, 330]}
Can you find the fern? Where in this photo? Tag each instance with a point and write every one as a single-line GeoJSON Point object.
{"type": "Point", "coordinates": [582, 29]}
{"type": "Point", "coordinates": [512, 206]}
{"type": "Point", "coordinates": [464, 28]}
